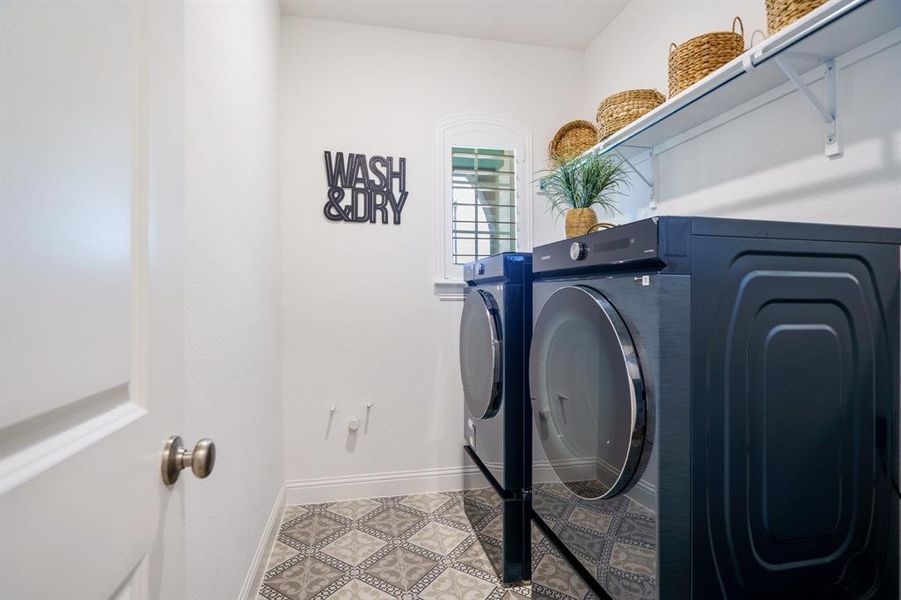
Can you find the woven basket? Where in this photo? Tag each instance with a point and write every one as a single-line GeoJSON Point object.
{"type": "Point", "coordinates": [618, 110]}
{"type": "Point", "coordinates": [780, 13]}
{"type": "Point", "coordinates": [571, 140]}
{"type": "Point", "coordinates": [579, 221]}
{"type": "Point", "coordinates": [700, 56]}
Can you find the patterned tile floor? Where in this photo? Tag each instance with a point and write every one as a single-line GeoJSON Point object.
{"type": "Point", "coordinates": [613, 539]}
{"type": "Point", "coordinates": [408, 547]}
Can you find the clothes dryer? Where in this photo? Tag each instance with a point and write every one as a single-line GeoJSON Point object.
{"type": "Point", "coordinates": [716, 402]}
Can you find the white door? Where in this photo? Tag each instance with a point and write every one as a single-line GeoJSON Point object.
{"type": "Point", "coordinates": [91, 335]}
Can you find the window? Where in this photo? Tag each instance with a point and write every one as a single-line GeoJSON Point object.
{"type": "Point", "coordinates": [482, 183]}
{"type": "Point", "coordinates": [483, 203]}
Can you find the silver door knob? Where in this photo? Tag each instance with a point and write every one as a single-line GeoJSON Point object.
{"type": "Point", "coordinates": [175, 458]}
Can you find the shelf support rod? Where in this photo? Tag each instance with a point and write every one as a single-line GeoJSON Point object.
{"type": "Point", "coordinates": [802, 87]}
{"type": "Point", "coordinates": [826, 111]}
{"type": "Point", "coordinates": [833, 145]}
{"type": "Point", "coordinates": [650, 184]}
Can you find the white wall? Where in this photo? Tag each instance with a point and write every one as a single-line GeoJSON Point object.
{"type": "Point", "coordinates": [769, 163]}
{"type": "Point", "coordinates": [361, 323]}
{"type": "Point", "coordinates": [632, 51]}
{"type": "Point", "coordinates": [232, 283]}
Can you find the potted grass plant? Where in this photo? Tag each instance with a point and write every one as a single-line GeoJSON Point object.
{"type": "Point", "coordinates": [578, 185]}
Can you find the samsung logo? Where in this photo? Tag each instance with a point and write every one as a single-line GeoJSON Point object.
{"type": "Point", "coordinates": [546, 257]}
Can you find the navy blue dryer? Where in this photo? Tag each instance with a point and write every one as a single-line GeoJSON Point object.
{"type": "Point", "coordinates": [494, 344]}
{"type": "Point", "coordinates": [717, 403]}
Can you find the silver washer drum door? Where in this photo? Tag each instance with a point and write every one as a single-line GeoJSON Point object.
{"type": "Point", "coordinates": [480, 354]}
{"type": "Point", "coordinates": [587, 393]}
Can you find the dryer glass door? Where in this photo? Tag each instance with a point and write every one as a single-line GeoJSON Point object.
{"type": "Point", "coordinates": [587, 394]}
{"type": "Point", "coordinates": [480, 354]}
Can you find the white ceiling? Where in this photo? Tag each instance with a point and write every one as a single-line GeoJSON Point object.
{"type": "Point", "coordinates": [559, 23]}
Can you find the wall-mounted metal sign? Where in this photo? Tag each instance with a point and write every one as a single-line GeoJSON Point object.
{"type": "Point", "coordinates": [362, 190]}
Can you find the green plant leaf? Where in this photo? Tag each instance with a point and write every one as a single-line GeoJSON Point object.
{"type": "Point", "coordinates": [586, 181]}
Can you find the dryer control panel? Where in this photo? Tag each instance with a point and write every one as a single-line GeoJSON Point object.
{"type": "Point", "coordinates": [621, 246]}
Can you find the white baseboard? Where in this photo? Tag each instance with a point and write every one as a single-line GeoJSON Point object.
{"type": "Point", "coordinates": [376, 485]}
{"type": "Point", "coordinates": [261, 557]}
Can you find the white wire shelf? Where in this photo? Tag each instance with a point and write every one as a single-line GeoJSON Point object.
{"type": "Point", "coordinates": [801, 53]}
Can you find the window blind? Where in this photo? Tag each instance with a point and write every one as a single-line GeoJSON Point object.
{"type": "Point", "coordinates": [484, 203]}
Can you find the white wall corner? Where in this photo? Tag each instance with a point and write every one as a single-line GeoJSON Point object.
{"type": "Point", "coordinates": [257, 568]}
{"type": "Point", "coordinates": [377, 485]}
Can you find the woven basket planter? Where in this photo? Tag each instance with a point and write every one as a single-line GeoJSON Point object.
{"type": "Point", "coordinates": [780, 13]}
{"type": "Point", "coordinates": [579, 221]}
{"type": "Point", "coordinates": [571, 140]}
{"type": "Point", "coordinates": [700, 56]}
{"type": "Point", "coordinates": [618, 110]}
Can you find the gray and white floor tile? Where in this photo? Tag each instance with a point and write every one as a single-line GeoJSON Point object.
{"type": "Point", "coordinates": [409, 547]}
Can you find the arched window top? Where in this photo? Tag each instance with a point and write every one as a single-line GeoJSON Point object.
{"type": "Point", "coordinates": [483, 174]}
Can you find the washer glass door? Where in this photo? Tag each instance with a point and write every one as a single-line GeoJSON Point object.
{"type": "Point", "coordinates": [587, 393]}
{"type": "Point", "coordinates": [480, 354]}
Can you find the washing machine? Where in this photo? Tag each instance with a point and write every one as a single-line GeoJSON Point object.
{"type": "Point", "coordinates": [716, 404]}
{"type": "Point", "coordinates": [494, 342]}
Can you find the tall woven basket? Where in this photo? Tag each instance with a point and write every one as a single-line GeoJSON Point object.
{"type": "Point", "coordinates": [700, 56]}
{"type": "Point", "coordinates": [780, 13]}
{"type": "Point", "coordinates": [571, 140]}
{"type": "Point", "coordinates": [618, 110]}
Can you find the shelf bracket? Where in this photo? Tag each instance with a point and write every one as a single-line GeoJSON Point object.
{"type": "Point", "coordinates": [647, 182]}
{"type": "Point", "coordinates": [827, 109]}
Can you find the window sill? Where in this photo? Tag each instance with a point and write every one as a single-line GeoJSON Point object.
{"type": "Point", "coordinates": [449, 289]}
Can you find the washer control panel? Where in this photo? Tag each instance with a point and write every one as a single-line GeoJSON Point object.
{"type": "Point", "coordinates": [578, 251]}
